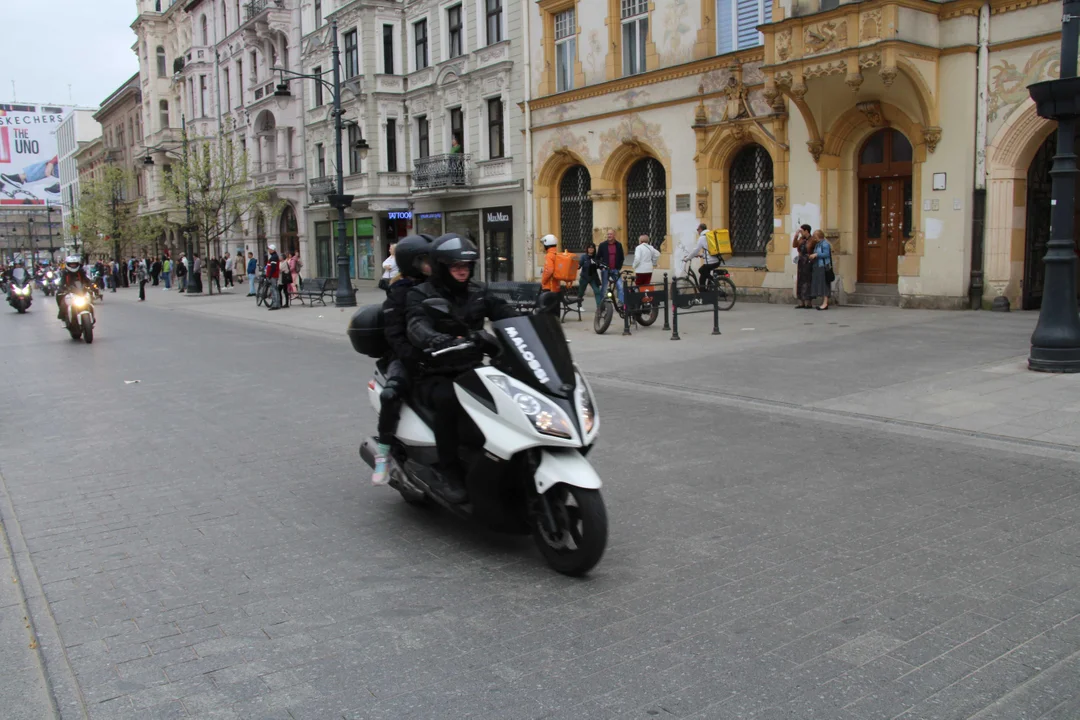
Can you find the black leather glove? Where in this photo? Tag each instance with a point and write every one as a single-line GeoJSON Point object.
{"type": "Point", "coordinates": [441, 342]}
{"type": "Point", "coordinates": [485, 341]}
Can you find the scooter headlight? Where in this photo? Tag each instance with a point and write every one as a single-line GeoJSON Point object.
{"type": "Point", "coordinates": [586, 407]}
{"type": "Point", "coordinates": [22, 290]}
{"type": "Point", "coordinates": [79, 301]}
{"type": "Point", "coordinates": [547, 417]}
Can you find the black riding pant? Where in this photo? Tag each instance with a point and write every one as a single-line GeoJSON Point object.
{"type": "Point", "coordinates": [393, 396]}
{"type": "Point", "coordinates": [705, 271]}
{"type": "Point", "coordinates": [437, 392]}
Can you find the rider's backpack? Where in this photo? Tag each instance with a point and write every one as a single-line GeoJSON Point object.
{"type": "Point", "coordinates": [566, 267]}
{"type": "Point", "coordinates": [719, 242]}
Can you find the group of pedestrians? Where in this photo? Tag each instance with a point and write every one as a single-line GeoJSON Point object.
{"type": "Point", "coordinates": [812, 254]}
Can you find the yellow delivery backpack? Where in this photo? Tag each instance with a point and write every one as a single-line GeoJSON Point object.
{"type": "Point", "coordinates": [719, 242]}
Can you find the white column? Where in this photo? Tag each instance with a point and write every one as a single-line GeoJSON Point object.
{"type": "Point", "coordinates": [282, 148]}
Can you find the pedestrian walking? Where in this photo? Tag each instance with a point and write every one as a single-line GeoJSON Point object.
{"type": "Point", "coordinates": [196, 267]}
{"type": "Point", "coordinates": [166, 272]}
{"type": "Point", "coordinates": [822, 277]}
{"type": "Point", "coordinates": [295, 266]}
{"type": "Point", "coordinates": [801, 246]}
{"type": "Point", "coordinates": [645, 257]}
{"type": "Point", "coordinates": [181, 272]}
{"type": "Point", "coordinates": [610, 254]}
{"type": "Point", "coordinates": [141, 276]}
{"type": "Point", "coordinates": [390, 269]}
{"type": "Point", "coordinates": [114, 267]}
{"type": "Point", "coordinates": [230, 264]}
{"type": "Point", "coordinates": [590, 273]}
{"type": "Point", "coordinates": [286, 282]}
{"type": "Point", "coordinates": [215, 274]}
{"type": "Point", "coordinates": [252, 266]}
{"type": "Point", "coordinates": [155, 270]}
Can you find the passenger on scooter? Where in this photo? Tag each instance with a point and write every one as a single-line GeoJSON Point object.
{"type": "Point", "coordinates": [73, 272]}
{"type": "Point", "coordinates": [453, 259]}
{"type": "Point", "coordinates": [404, 358]}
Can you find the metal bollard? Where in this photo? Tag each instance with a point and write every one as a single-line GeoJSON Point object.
{"type": "Point", "coordinates": [675, 310]}
{"type": "Point", "coordinates": [716, 312]}
{"type": "Point", "coordinates": [626, 309]}
{"type": "Point", "coordinates": [667, 301]}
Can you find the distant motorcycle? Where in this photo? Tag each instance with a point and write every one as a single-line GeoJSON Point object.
{"type": "Point", "coordinates": [79, 318]}
{"type": "Point", "coordinates": [20, 295]}
{"type": "Point", "coordinates": [49, 281]}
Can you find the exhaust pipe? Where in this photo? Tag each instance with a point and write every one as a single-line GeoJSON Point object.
{"type": "Point", "coordinates": [367, 452]}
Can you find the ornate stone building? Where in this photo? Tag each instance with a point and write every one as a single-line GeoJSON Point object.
{"type": "Point", "coordinates": [418, 75]}
{"type": "Point", "coordinates": [208, 64]}
{"type": "Point", "coordinates": [901, 128]}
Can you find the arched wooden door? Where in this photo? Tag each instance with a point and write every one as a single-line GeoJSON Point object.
{"type": "Point", "coordinates": [885, 209]}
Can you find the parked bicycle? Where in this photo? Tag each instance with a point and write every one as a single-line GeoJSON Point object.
{"type": "Point", "coordinates": [263, 290]}
{"type": "Point", "coordinates": [645, 315]}
{"type": "Point", "coordinates": [689, 286]}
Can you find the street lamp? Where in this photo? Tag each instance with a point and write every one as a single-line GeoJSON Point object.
{"type": "Point", "coordinates": [1055, 344]}
{"type": "Point", "coordinates": [345, 295]}
{"type": "Point", "coordinates": [192, 280]}
{"type": "Point", "coordinates": [30, 237]}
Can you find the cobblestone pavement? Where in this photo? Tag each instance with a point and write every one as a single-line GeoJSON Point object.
{"type": "Point", "coordinates": [209, 546]}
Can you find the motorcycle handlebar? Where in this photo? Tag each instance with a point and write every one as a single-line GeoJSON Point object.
{"type": "Point", "coordinates": [452, 348]}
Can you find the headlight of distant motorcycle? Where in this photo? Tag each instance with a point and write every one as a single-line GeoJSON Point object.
{"type": "Point", "coordinates": [547, 417]}
{"type": "Point", "coordinates": [586, 406]}
{"type": "Point", "coordinates": [79, 301]}
{"type": "Point", "coordinates": [22, 290]}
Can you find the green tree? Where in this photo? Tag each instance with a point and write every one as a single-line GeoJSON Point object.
{"type": "Point", "coordinates": [213, 184]}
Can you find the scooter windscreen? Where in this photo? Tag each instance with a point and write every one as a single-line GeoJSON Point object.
{"type": "Point", "coordinates": [535, 352]}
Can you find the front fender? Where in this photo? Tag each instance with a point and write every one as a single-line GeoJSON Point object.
{"type": "Point", "coordinates": [565, 466]}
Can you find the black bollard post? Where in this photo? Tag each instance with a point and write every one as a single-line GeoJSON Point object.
{"type": "Point", "coordinates": [675, 310]}
{"type": "Point", "coordinates": [626, 311]}
{"type": "Point", "coordinates": [716, 312]}
{"type": "Point", "coordinates": [667, 301]}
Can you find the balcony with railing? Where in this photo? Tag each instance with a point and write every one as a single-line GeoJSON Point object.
{"type": "Point", "coordinates": [254, 7]}
{"type": "Point", "coordinates": [437, 172]}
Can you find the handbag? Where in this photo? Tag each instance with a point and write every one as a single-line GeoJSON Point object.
{"type": "Point", "coordinates": [829, 274]}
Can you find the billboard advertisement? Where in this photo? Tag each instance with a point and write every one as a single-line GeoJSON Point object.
{"type": "Point", "coordinates": [29, 172]}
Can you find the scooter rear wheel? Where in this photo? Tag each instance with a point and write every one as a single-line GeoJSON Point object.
{"type": "Point", "coordinates": [581, 529]}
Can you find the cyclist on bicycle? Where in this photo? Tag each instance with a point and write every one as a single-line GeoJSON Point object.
{"type": "Point", "coordinates": [711, 262]}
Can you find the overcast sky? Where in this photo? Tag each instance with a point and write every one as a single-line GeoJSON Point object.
{"type": "Point", "coordinates": [51, 44]}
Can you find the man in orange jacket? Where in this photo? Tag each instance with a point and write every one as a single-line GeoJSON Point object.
{"type": "Point", "coordinates": [547, 277]}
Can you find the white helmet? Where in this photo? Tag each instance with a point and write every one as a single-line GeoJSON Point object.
{"type": "Point", "coordinates": [272, 247]}
{"type": "Point", "coordinates": [73, 263]}
{"type": "Point", "coordinates": [549, 241]}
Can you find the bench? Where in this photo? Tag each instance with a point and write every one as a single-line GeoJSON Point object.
{"type": "Point", "coordinates": [571, 301]}
{"type": "Point", "coordinates": [316, 290]}
{"type": "Point", "coordinates": [521, 295]}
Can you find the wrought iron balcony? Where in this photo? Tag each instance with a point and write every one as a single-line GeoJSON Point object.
{"type": "Point", "coordinates": [254, 7]}
{"type": "Point", "coordinates": [441, 171]}
{"type": "Point", "coordinates": [321, 187]}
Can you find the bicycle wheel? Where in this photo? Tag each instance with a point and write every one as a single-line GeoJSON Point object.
{"type": "Point", "coordinates": [725, 292]}
{"type": "Point", "coordinates": [602, 319]}
{"type": "Point", "coordinates": [261, 293]}
{"type": "Point", "coordinates": [688, 293]}
{"type": "Point", "coordinates": [648, 313]}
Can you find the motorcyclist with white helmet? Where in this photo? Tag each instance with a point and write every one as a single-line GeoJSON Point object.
{"type": "Point", "coordinates": [547, 277]}
{"type": "Point", "coordinates": [453, 260]}
{"type": "Point", "coordinates": [73, 271]}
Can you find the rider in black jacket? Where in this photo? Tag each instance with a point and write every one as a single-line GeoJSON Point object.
{"type": "Point", "coordinates": [71, 272]}
{"type": "Point", "coordinates": [453, 259]}
{"type": "Point", "coordinates": [404, 358]}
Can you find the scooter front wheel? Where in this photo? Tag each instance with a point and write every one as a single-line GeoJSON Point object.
{"type": "Point", "coordinates": [576, 543]}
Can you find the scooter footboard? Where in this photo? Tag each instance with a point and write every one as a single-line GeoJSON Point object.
{"type": "Point", "coordinates": [565, 466]}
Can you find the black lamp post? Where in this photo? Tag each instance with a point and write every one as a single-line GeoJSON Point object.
{"type": "Point", "coordinates": [189, 250]}
{"type": "Point", "coordinates": [1055, 344]}
{"type": "Point", "coordinates": [345, 295]}
{"type": "Point", "coordinates": [30, 238]}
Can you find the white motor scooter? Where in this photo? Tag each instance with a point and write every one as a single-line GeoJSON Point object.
{"type": "Point", "coordinates": [532, 420]}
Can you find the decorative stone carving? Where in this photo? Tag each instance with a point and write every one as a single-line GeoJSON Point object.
{"type": "Point", "coordinates": [888, 75]}
{"type": "Point", "coordinates": [783, 79]}
{"type": "Point", "coordinates": [816, 147]}
{"type": "Point", "coordinates": [932, 136]}
{"type": "Point", "coordinates": [783, 45]}
{"type": "Point", "coordinates": [834, 67]}
{"type": "Point", "coordinates": [870, 59]}
{"type": "Point", "coordinates": [872, 110]}
{"type": "Point", "coordinates": [702, 202]}
{"type": "Point", "coordinates": [779, 200]}
{"type": "Point", "coordinates": [775, 98]}
{"type": "Point", "coordinates": [854, 81]}
{"type": "Point", "coordinates": [825, 36]}
{"type": "Point", "coordinates": [798, 89]}
{"type": "Point", "coordinates": [909, 246]}
{"type": "Point", "coordinates": [870, 26]}
{"type": "Point", "coordinates": [740, 133]}
{"type": "Point", "coordinates": [735, 105]}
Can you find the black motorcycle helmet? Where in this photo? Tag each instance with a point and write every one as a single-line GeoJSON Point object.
{"type": "Point", "coordinates": [409, 252]}
{"type": "Point", "coordinates": [449, 249]}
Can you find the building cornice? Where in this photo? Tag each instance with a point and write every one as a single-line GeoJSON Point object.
{"type": "Point", "coordinates": [674, 72]}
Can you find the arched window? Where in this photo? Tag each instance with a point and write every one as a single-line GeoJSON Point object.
{"type": "Point", "coordinates": [646, 202]}
{"type": "Point", "coordinates": [290, 237]}
{"type": "Point", "coordinates": [162, 70]}
{"type": "Point", "coordinates": [575, 209]}
{"type": "Point", "coordinates": [163, 114]}
{"type": "Point", "coordinates": [750, 201]}
{"type": "Point", "coordinates": [204, 30]}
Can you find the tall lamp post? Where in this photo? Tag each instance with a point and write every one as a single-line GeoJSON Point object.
{"type": "Point", "coordinates": [189, 250]}
{"type": "Point", "coordinates": [30, 238]}
{"type": "Point", "coordinates": [345, 295]}
{"type": "Point", "coordinates": [1055, 344]}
